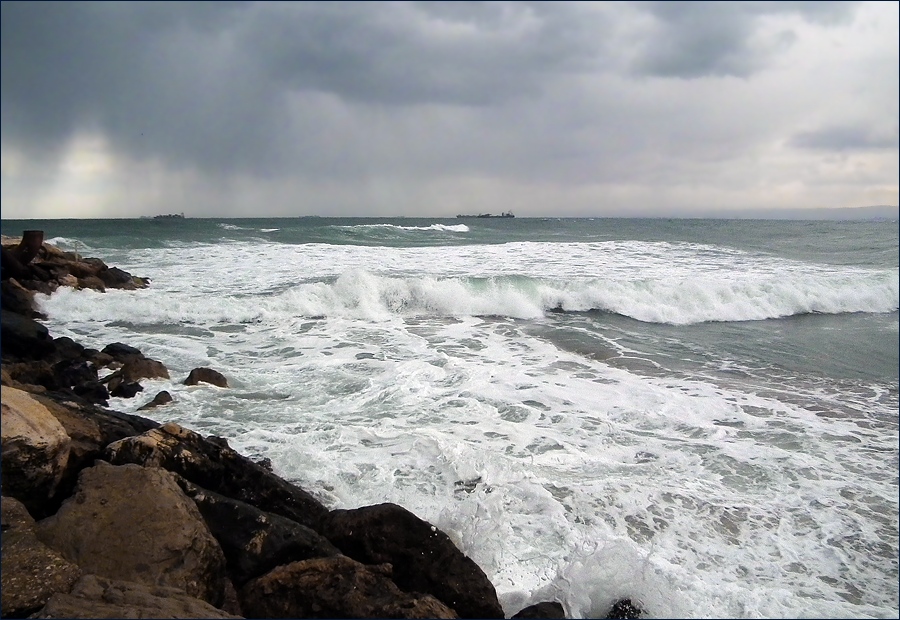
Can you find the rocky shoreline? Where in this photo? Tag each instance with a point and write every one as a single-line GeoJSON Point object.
{"type": "Point", "coordinates": [112, 515]}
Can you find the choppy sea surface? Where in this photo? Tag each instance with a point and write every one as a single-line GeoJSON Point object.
{"type": "Point", "coordinates": [699, 415]}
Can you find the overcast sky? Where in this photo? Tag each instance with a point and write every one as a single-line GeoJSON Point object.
{"type": "Point", "coordinates": [437, 108]}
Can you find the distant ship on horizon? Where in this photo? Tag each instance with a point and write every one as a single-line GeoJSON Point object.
{"type": "Point", "coordinates": [169, 216]}
{"type": "Point", "coordinates": [506, 214]}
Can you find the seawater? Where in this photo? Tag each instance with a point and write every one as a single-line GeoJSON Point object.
{"type": "Point", "coordinates": [699, 415]}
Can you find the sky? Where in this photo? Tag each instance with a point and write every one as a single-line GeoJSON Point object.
{"type": "Point", "coordinates": [244, 109]}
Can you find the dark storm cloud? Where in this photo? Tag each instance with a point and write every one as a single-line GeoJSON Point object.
{"type": "Point", "coordinates": [155, 78]}
{"type": "Point", "coordinates": [697, 39]}
{"type": "Point", "coordinates": [207, 84]}
{"type": "Point", "coordinates": [347, 90]}
{"type": "Point", "coordinates": [847, 138]}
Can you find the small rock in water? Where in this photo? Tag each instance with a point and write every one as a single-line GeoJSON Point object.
{"type": "Point", "coordinates": [624, 609]}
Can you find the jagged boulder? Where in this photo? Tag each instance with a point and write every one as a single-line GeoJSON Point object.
{"type": "Point", "coordinates": [424, 558]}
{"type": "Point", "coordinates": [335, 587]}
{"type": "Point", "coordinates": [211, 464]}
{"type": "Point", "coordinates": [206, 375]}
{"type": "Point", "coordinates": [32, 572]}
{"type": "Point", "coordinates": [97, 597]}
{"type": "Point", "coordinates": [35, 450]}
{"type": "Point", "coordinates": [135, 523]}
{"type": "Point", "coordinates": [254, 541]}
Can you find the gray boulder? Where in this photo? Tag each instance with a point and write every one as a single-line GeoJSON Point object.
{"type": "Point", "coordinates": [135, 523]}
{"type": "Point", "coordinates": [335, 587]}
{"type": "Point", "coordinates": [97, 597]}
{"type": "Point", "coordinates": [31, 571]}
{"type": "Point", "coordinates": [35, 449]}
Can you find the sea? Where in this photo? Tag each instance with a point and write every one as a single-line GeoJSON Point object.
{"type": "Point", "coordinates": [700, 415]}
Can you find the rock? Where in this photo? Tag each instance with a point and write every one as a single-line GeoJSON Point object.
{"type": "Point", "coordinates": [68, 349]}
{"type": "Point", "coordinates": [254, 541]}
{"type": "Point", "coordinates": [16, 298]}
{"type": "Point", "coordinates": [32, 572]}
{"type": "Point", "coordinates": [73, 372]}
{"type": "Point", "coordinates": [138, 368]}
{"type": "Point", "coordinates": [12, 267]}
{"type": "Point", "coordinates": [121, 351]}
{"type": "Point", "coordinates": [162, 398]}
{"type": "Point", "coordinates": [215, 466]}
{"type": "Point", "coordinates": [35, 450]}
{"type": "Point", "coordinates": [424, 558]}
{"type": "Point", "coordinates": [135, 523]}
{"type": "Point", "coordinates": [92, 282]}
{"type": "Point", "coordinates": [545, 609]}
{"type": "Point", "coordinates": [23, 337]}
{"type": "Point", "coordinates": [206, 375]}
{"type": "Point", "coordinates": [97, 597]}
{"type": "Point", "coordinates": [115, 425]}
{"type": "Point", "coordinates": [335, 587]}
{"type": "Point", "coordinates": [114, 277]}
{"type": "Point", "coordinates": [127, 390]}
{"type": "Point", "coordinates": [624, 609]}
{"type": "Point", "coordinates": [86, 445]}
{"type": "Point", "coordinates": [92, 391]}
{"type": "Point", "coordinates": [32, 372]}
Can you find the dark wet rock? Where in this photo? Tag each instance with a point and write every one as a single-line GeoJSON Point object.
{"type": "Point", "coordinates": [220, 469]}
{"type": "Point", "coordinates": [115, 425]}
{"type": "Point", "coordinates": [32, 372]}
{"type": "Point", "coordinates": [206, 375]}
{"type": "Point", "coordinates": [135, 523]}
{"type": "Point", "coordinates": [121, 351]}
{"type": "Point", "coordinates": [126, 390]}
{"type": "Point", "coordinates": [92, 391]}
{"type": "Point", "coordinates": [23, 337]}
{"type": "Point", "coordinates": [32, 572]}
{"type": "Point", "coordinates": [424, 558]}
{"type": "Point", "coordinates": [545, 609]}
{"type": "Point", "coordinates": [68, 349]}
{"type": "Point", "coordinates": [142, 367]}
{"type": "Point", "coordinates": [16, 298]}
{"type": "Point", "coordinates": [113, 277]}
{"type": "Point", "coordinates": [624, 609]}
{"type": "Point", "coordinates": [162, 398]}
{"type": "Point", "coordinates": [254, 541]}
{"type": "Point", "coordinates": [92, 282]}
{"type": "Point", "coordinates": [98, 597]}
{"type": "Point", "coordinates": [335, 587]}
{"type": "Point", "coordinates": [74, 372]}
{"type": "Point", "coordinates": [12, 267]}
{"type": "Point", "coordinates": [35, 450]}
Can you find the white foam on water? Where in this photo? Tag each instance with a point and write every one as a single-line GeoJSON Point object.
{"type": "Point", "coordinates": [430, 227]}
{"type": "Point", "coordinates": [383, 374]}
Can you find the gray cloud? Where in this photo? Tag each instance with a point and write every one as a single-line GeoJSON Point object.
{"type": "Point", "coordinates": [847, 138]}
{"type": "Point", "coordinates": [696, 39]}
{"type": "Point", "coordinates": [560, 94]}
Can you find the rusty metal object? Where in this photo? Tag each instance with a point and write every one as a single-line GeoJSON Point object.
{"type": "Point", "coordinates": [28, 248]}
